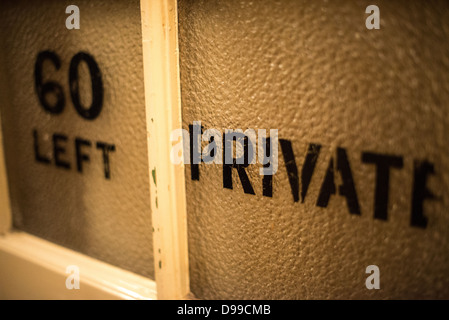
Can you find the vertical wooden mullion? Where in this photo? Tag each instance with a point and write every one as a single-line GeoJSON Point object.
{"type": "Point", "coordinates": [5, 205]}
{"type": "Point", "coordinates": [163, 112]}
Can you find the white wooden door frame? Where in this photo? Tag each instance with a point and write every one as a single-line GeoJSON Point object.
{"type": "Point", "coordinates": [32, 268]}
{"type": "Point", "coordinates": [167, 186]}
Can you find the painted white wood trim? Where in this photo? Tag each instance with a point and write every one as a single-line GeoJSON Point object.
{"type": "Point", "coordinates": [167, 181]}
{"type": "Point", "coordinates": [5, 205]}
{"type": "Point", "coordinates": [32, 268]}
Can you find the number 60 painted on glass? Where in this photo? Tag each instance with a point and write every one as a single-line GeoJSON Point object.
{"type": "Point", "coordinates": [52, 87]}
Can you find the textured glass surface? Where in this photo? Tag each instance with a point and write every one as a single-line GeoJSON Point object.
{"type": "Point", "coordinates": [312, 70]}
{"type": "Point", "coordinates": [79, 200]}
